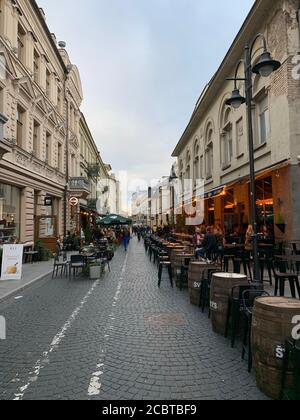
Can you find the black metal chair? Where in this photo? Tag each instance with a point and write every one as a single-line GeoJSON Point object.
{"type": "Point", "coordinates": [282, 275]}
{"type": "Point", "coordinates": [249, 297]}
{"type": "Point", "coordinates": [164, 262]}
{"type": "Point", "coordinates": [60, 263]}
{"type": "Point", "coordinates": [77, 262]}
{"type": "Point", "coordinates": [235, 310]}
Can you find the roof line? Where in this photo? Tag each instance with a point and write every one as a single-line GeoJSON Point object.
{"type": "Point", "coordinates": [48, 33]}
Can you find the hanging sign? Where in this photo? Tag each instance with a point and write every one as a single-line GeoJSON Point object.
{"type": "Point", "coordinates": [12, 262]}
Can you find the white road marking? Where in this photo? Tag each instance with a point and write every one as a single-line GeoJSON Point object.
{"type": "Point", "coordinates": [95, 382]}
{"type": "Point", "coordinates": [45, 359]}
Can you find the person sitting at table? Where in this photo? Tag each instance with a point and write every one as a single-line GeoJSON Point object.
{"type": "Point", "coordinates": [209, 245]}
{"type": "Point", "coordinates": [248, 239]}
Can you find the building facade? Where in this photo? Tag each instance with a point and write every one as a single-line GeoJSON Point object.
{"type": "Point", "coordinates": [47, 152]}
{"type": "Point", "coordinates": [214, 145]}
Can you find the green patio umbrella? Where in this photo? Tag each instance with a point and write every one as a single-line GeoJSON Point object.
{"type": "Point", "coordinates": [114, 220]}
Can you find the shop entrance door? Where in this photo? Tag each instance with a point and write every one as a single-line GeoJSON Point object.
{"type": "Point", "coordinates": [46, 231]}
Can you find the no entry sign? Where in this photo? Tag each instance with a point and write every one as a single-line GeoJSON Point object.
{"type": "Point", "coordinates": [73, 201]}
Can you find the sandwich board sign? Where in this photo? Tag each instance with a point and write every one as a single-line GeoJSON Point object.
{"type": "Point", "coordinates": [12, 262]}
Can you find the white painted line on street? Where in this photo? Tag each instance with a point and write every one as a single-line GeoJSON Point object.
{"type": "Point", "coordinates": [44, 361]}
{"type": "Point", "coordinates": [95, 382]}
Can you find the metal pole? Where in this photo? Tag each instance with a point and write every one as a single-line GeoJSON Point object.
{"type": "Point", "coordinates": [67, 161]}
{"type": "Point", "coordinates": [249, 98]}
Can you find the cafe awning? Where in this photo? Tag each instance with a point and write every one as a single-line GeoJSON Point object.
{"type": "Point", "coordinates": [114, 220]}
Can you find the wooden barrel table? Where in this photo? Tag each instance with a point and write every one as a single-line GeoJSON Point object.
{"type": "Point", "coordinates": [177, 260]}
{"type": "Point", "coordinates": [272, 325]}
{"type": "Point", "coordinates": [221, 290]}
{"type": "Point", "coordinates": [195, 275]}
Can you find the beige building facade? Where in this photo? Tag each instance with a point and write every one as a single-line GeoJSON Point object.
{"type": "Point", "coordinates": [214, 146]}
{"type": "Point", "coordinates": [40, 98]}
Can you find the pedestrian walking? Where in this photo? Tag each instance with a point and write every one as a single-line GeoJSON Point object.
{"type": "Point", "coordinates": [126, 239]}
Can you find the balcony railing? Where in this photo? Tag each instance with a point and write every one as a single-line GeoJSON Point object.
{"type": "Point", "coordinates": [92, 203]}
{"type": "Point", "coordinates": [80, 184]}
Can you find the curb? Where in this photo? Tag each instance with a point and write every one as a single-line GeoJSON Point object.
{"type": "Point", "coordinates": [24, 286]}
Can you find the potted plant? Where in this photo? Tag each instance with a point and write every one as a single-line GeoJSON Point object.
{"type": "Point", "coordinates": [280, 223]}
{"type": "Point", "coordinates": [95, 271]}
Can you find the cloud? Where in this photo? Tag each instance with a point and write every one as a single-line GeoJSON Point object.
{"type": "Point", "coordinates": [143, 65]}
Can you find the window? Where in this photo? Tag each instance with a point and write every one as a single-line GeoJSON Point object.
{"type": "Point", "coordinates": [59, 100]}
{"type": "Point", "coordinates": [36, 67]}
{"type": "Point", "coordinates": [48, 83]}
{"type": "Point", "coordinates": [196, 164]}
{"type": "Point", "coordinates": [48, 148]}
{"type": "Point", "coordinates": [263, 109]}
{"type": "Point", "coordinates": [1, 100]}
{"type": "Point", "coordinates": [209, 154]}
{"type": "Point", "coordinates": [10, 206]}
{"type": "Point", "coordinates": [202, 167]}
{"type": "Point", "coordinates": [21, 44]}
{"type": "Point", "coordinates": [227, 141]}
{"type": "Point", "coordinates": [36, 138]}
{"type": "Point", "coordinates": [21, 115]}
{"type": "Point", "coordinates": [59, 157]}
{"type": "Point", "coordinates": [240, 137]}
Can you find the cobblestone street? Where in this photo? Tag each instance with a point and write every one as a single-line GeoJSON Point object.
{"type": "Point", "coordinates": [119, 338]}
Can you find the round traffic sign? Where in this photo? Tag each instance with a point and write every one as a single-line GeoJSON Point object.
{"type": "Point", "coordinates": [73, 201]}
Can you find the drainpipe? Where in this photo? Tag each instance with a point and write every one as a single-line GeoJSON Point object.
{"type": "Point", "coordinates": [298, 18]}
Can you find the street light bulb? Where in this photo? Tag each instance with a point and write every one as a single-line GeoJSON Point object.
{"type": "Point", "coordinates": [266, 70]}
{"type": "Point", "coordinates": [236, 104]}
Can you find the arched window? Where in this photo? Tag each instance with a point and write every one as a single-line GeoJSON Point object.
{"type": "Point", "coordinates": [188, 166]}
{"type": "Point", "coordinates": [227, 138]}
{"type": "Point", "coordinates": [196, 163]}
{"type": "Point", "coordinates": [209, 152]}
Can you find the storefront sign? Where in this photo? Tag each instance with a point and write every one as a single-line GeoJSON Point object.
{"type": "Point", "coordinates": [12, 261]}
{"type": "Point", "coordinates": [74, 201]}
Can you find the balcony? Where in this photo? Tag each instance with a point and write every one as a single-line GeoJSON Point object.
{"type": "Point", "coordinates": [80, 187]}
{"type": "Point", "coordinates": [92, 204]}
{"type": "Point", "coordinates": [5, 146]}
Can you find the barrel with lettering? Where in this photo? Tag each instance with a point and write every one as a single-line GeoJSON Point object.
{"type": "Point", "coordinates": [221, 290]}
{"type": "Point", "coordinates": [195, 276]}
{"type": "Point", "coordinates": [272, 326]}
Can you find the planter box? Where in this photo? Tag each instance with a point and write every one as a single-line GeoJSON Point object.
{"type": "Point", "coordinates": [95, 272]}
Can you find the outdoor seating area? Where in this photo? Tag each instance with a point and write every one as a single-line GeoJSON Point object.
{"type": "Point", "coordinates": [91, 260]}
{"type": "Point", "coordinates": [223, 286]}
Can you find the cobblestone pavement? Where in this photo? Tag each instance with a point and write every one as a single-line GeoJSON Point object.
{"type": "Point", "coordinates": [118, 338]}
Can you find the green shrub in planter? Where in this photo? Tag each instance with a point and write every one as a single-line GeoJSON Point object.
{"type": "Point", "coordinates": [95, 271]}
{"type": "Point", "coordinates": [43, 253]}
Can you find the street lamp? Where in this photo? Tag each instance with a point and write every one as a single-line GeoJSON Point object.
{"type": "Point", "coordinates": [264, 67]}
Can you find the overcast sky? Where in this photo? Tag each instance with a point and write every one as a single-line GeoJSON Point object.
{"type": "Point", "coordinates": [143, 64]}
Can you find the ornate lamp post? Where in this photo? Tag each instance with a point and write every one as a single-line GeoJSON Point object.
{"type": "Point", "coordinates": [265, 67]}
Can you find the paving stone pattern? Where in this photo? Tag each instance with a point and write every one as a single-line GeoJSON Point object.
{"type": "Point", "coordinates": [138, 342]}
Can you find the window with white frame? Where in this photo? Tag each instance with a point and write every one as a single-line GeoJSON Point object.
{"type": "Point", "coordinates": [240, 137]}
{"type": "Point", "coordinates": [21, 44]}
{"type": "Point", "coordinates": [36, 67]}
{"type": "Point", "coordinates": [227, 140]}
{"type": "Point", "coordinates": [263, 120]}
{"type": "Point", "coordinates": [209, 154]}
{"type": "Point", "coordinates": [196, 164]}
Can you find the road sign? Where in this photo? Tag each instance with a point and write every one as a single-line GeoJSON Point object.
{"type": "Point", "coordinates": [74, 201]}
